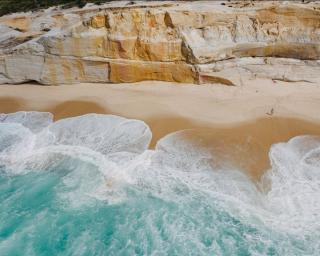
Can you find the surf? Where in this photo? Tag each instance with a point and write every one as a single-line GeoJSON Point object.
{"type": "Point", "coordinates": [92, 185]}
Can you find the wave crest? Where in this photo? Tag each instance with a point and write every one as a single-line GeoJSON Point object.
{"type": "Point", "coordinates": [178, 170]}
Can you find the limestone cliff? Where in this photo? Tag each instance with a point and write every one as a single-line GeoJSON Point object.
{"type": "Point", "coordinates": [189, 42]}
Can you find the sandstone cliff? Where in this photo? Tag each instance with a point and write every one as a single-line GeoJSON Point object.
{"type": "Point", "coordinates": [189, 42]}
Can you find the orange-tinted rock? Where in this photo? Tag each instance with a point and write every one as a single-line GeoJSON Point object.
{"type": "Point", "coordinates": [62, 70]}
{"type": "Point", "coordinates": [98, 21]}
{"type": "Point", "coordinates": [192, 42]}
{"type": "Point", "coordinates": [135, 71]}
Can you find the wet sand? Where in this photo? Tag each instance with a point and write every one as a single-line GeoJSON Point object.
{"type": "Point", "coordinates": [243, 121]}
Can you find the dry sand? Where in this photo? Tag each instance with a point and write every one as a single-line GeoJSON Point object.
{"type": "Point", "coordinates": [243, 120]}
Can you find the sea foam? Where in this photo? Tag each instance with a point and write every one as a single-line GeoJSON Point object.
{"type": "Point", "coordinates": [98, 170]}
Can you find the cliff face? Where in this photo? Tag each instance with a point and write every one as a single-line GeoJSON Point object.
{"type": "Point", "coordinates": [195, 42]}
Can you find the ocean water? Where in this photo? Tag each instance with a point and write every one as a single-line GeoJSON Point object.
{"type": "Point", "coordinates": [89, 186]}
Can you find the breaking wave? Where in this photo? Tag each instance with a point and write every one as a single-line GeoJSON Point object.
{"type": "Point", "coordinates": [90, 185]}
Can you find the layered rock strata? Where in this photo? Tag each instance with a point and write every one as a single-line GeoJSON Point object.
{"type": "Point", "coordinates": [187, 42]}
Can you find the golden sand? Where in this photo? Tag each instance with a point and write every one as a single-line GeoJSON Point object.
{"type": "Point", "coordinates": [243, 121]}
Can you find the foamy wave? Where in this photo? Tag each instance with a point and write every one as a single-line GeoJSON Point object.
{"type": "Point", "coordinates": [107, 155]}
{"type": "Point", "coordinates": [293, 195]}
{"type": "Point", "coordinates": [33, 120]}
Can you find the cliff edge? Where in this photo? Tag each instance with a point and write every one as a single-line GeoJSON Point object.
{"type": "Point", "coordinates": [189, 42]}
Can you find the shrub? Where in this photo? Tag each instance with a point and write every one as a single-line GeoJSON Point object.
{"type": "Point", "coordinates": [11, 6]}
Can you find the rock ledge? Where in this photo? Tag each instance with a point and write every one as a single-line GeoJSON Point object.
{"type": "Point", "coordinates": [187, 42]}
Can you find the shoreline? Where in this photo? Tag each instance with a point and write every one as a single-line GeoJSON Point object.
{"type": "Point", "coordinates": [257, 115]}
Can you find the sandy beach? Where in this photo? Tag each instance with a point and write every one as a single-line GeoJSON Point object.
{"type": "Point", "coordinates": [159, 127]}
{"type": "Point", "coordinates": [258, 114]}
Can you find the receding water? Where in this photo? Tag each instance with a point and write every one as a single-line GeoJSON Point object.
{"type": "Point", "coordinates": [90, 186]}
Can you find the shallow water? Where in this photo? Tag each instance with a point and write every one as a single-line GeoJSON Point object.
{"type": "Point", "coordinates": [90, 186]}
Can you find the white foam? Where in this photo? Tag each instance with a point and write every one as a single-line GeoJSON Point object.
{"type": "Point", "coordinates": [103, 133]}
{"type": "Point", "coordinates": [33, 120]}
{"type": "Point", "coordinates": [106, 143]}
{"type": "Point", "coordinates": [14, 138]}
{"type": "Point", "coordinates": [114, 156]}
{"type": "Point", "coordinates": [294, 190]}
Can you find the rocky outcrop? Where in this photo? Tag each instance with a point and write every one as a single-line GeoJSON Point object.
{"type": "Point", "coordinates": [187, 42]}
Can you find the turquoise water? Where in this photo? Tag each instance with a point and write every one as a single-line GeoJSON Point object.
{"type": "Point", "coordinates": [66, 194]}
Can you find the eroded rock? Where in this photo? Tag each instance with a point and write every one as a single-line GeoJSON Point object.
{"type": "Point", "coordinates": [68, 70]}
{"type": "Point", "coordinates": [189, 42]}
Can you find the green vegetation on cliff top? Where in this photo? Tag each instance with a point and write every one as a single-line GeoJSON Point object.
{"type": "Point", "coordinates": [11, 6]}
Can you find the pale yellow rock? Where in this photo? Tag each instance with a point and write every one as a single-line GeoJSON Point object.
{"type": "Point", "coordinates": [98, 21]}
{"type": "Point", "coordinates": [236, 71]}
{"type": "Point", "coordinates": [6, 33]}
{"type": "Point", "coordinates": [160, 50]}
{"type": "Point", "coordinates": [3, 73]}
{"type": "Point", "coordinates": [118, 47]}
{"type": "Point", "coordinates": [135, 71]}
{"type": "Point", "coordinates": [193, 42]}
{"type": "Point", "coordinates": [279, 31]}
{"type": "Point", "coordinates": [20, 22]}
{"type": "Point", "coordinates": [62, 70]}
{"type": "Point", "coordinates": [23, 67]}
{"type": "Point", "coordinates": [74, 45]}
